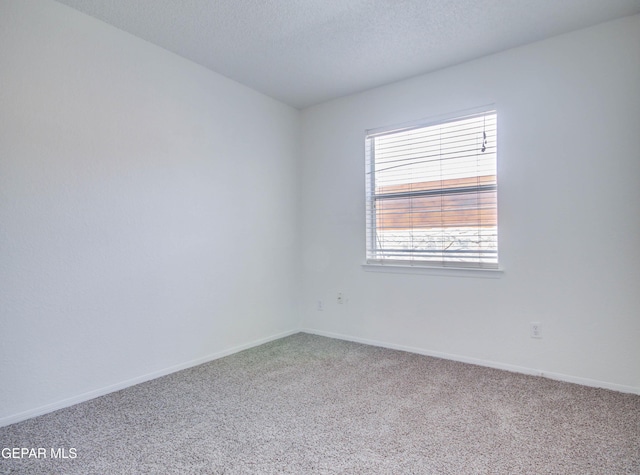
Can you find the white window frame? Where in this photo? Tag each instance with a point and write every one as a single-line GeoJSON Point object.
{"type": "Point", "coordinates": [376, 260]}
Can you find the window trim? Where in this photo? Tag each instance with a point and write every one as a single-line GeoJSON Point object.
{"type": "Point", "coordinates": [397, 268]}
{"type": "Point", "coordinates": [421, 266]}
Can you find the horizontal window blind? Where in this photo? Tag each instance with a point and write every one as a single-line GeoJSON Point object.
{"type": "Point", "coordinates": [432, 193]}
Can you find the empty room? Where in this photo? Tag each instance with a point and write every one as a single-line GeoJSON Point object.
{"type": "Point", "coordinates": [396, 237]}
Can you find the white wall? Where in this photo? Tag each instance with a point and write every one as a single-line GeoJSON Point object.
{"type": "Point", "coordinates": [147, 210]}
{"type": "Point", "coordinates": [569, 212]}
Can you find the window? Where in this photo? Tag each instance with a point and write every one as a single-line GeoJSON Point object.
{"type": "Point", "coordinates": [432, 193]}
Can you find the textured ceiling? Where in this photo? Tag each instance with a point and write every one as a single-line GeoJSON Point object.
{"type": "Point", "coordinates": [304, 52]}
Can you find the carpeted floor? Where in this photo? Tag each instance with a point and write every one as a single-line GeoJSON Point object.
{"type": "Point", "coordinates": [309, 404]}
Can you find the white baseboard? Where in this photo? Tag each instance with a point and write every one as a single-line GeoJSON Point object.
{"type": "Point", "coordinates": [476, 361]}
{"type": "Point", "coordinates": [21, 416]}
{"type": "Point", "coordinates": [38, 411]}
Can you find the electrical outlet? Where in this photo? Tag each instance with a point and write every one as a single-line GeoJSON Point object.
{"type": "Point", "coordinates": [340, 298]}
{"type": "Point", "coordinates": [535, 329]}
{"type": "Point", "coordinates": [320, 306]}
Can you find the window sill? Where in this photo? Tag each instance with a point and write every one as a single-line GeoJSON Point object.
{"type": "Point", "coordinates": [432, 270]}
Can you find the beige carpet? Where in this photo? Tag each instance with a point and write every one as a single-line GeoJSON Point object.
{"type": "Point", "coordinates": [309, 404]}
